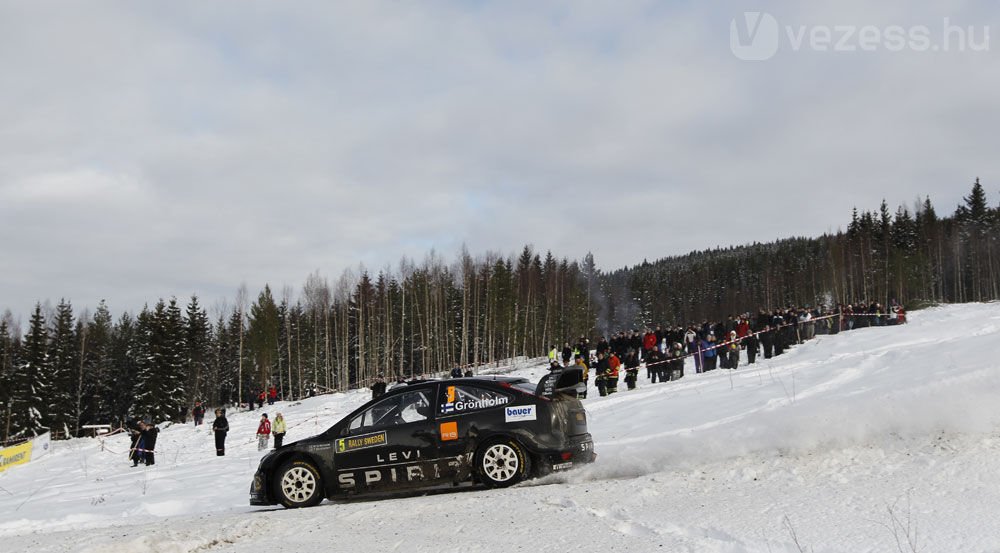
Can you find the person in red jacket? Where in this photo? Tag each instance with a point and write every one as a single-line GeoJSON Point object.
{"type": "Point", "coordinates": [648, 342]}
{"type": "Point", "coordinates": [272, 395]}
{"type": "Point", "coordinates": [611, 375]}
{"type": "Point", "coordinates": [263, 432]}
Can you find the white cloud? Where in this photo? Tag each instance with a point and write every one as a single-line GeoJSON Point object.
{"type": "Point", "coordinates": [186, 147]}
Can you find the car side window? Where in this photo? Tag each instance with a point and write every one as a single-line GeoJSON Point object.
{"type": "Point", "coordinates": [463, 398]}
{"type": "Point", "coordinates": [401, 409]}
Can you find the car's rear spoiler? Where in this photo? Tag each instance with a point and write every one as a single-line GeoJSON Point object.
{"type": "Point", "coordinates": [566, 380]}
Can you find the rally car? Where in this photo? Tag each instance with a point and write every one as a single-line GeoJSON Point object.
{"type": "Point", "coordinates": [490, 431]}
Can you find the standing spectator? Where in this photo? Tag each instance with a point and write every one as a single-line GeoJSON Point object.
{"type": "Point", "coordinates": [148, 441]}
{"type": "Point", "coordinates": [140, 445]}
{"type": "Point", "coordinates": [733, 350]}
{"type": "Point", "coordinates": [263, 432]}
{"type": "Point", "coordinates": [220, 427]}
{"type": "Point", "coordinates": [693, 343]}
{"type": "Point", "coordinates": [648, 342]}
{"type": "Point", "coordinates": [600, 369]}
{"type": "Point", "coordinates": [198, 413]}
{"type": "Point", "coordinates": [278, 430]}
{"type": "Point", "coordinates": [456, 372]}
{"type": "Point", "coordinates": [135, 432]}
{"type": "Point", "coordinates": [378, 389]}
{"type": "Point", "coordinates": [743, 327]}
{"type": "Point", "coordinates": [261, 397]}
{"type": "Point", "coordinates": [251, 398]}
{"type": "Point", "coordinates": [752, 344]}
{"type": "Point", "coordinates": [603, 346]}
{"type": "Point", "coordinates": [580, 364]}
{"type": "Point", "coordinates": [676, 361]}
{"type": "Point", "coordinates": [767, 340]}
{"type": "Point", "coordinates": [632, 368]}
{"type": "Point", "coordinates": [272, 395]}
{"type": "Point", "coordinates": [653, 363]}
{"type": "Point", "coordinates": [611, 374]}
{"type": "Point", "coordinates": [709, 352]}
{"type": "Point", "coordinates": [567, 354]}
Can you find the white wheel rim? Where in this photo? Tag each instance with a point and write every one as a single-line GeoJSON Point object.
{"type": "Point", "coordinates": [298, 484]}
{"type": "Point", "coordinates": [500, 462]}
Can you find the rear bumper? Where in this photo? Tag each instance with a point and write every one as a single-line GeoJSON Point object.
{"type": "Point", "coordinates": [576, 452]}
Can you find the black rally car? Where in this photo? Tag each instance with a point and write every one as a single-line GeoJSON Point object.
{"type": "Point", "coordinates": [495, 431]}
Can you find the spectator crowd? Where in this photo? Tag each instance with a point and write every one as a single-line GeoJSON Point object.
{"type": "Point", "coordinates": [710, 345]}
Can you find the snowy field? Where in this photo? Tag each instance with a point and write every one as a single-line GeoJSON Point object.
{"type": "Point", "coordinates": [883, 440]}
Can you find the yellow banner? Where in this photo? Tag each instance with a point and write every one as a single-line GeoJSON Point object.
{"type": "Point", "coordinates": [15, 455]}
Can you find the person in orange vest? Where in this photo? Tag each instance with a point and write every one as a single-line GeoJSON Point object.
{"type": "Point", "coordinates": [582, 365]}
{"type": "Point", "coordinates": [611, 375]}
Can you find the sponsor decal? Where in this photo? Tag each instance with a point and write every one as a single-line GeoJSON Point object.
{"type": "Point", "coordinates": [375, 476]}
{"type": "Point", "coordinates": [562, 466]}
{"type": "Point", "coordinates": [472, 404]}
{"type": "Point", "coordinates": [520, 413]}
{"type": "Point", "coordinates": [320, 447]}
{"type": "Point", "coordinates": [395, 456]}
{"type": "Point", "coordinates": [361, 442]}
{"type": "Point", "coordinates": [15, 455]}
{"type": "Point", "coordinates": [449, 431]}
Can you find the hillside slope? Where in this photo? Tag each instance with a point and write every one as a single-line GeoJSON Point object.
{"type": "Point", "coordinates": [880, 439]}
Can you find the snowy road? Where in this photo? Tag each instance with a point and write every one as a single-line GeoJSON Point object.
{"type": "Point", "coordinates": [846, 443]}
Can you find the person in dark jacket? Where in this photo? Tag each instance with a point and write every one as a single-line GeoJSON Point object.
{"type": "Point", "coordinates": [220, 427]}
{"type": "Point", "coordinates": [148, 441]}
{"type": "Point", "coordinates": [653, 364]}
{"type": "Point", "coordinates": [752, 344]}
{"type": "Point", "coordinates": [631, 368]}
{"type": "Point", "coordinates": [378, 387]}
{"type": "Point", "coordinates": [676, 361]}
{"type": "Point", "coordinates": [600, 369]}
{"type": "Point", "coordinates": [567, 354]}
{"type": "Point", "coordinates": [135, 432]}
{"type": "Point", "coordinates": [198, 413]}
{"type": "Point", "coordinates": [456, 372]}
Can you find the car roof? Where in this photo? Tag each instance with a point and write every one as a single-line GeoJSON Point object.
{"type": "Point", "coordinates": [462, 379]}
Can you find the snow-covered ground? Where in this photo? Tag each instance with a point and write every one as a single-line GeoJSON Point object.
{"type": "Point", "coordinates": [882, 439]}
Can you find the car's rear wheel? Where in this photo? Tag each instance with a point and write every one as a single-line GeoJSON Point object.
{"type": "Point", "coordinates": [502, 462]}
{"type": "Point", "coordinates": [299, 484]}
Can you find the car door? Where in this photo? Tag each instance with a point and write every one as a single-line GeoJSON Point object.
{"type": "Point", "coordinates": [465, 410]}
{"type": "Point", "coordinates": [389, 445]}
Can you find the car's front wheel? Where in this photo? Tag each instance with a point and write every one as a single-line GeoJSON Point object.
{"type": "Point", "coordinates": [502, 462]}
{"type": "Point", "coordinates": [299, 484]}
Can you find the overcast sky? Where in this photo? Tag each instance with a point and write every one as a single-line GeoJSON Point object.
{"type": "Point", "coordinates": [151, 149]}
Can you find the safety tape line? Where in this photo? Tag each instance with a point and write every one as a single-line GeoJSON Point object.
{"type": "Point", "coordinates": [702, 351]}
